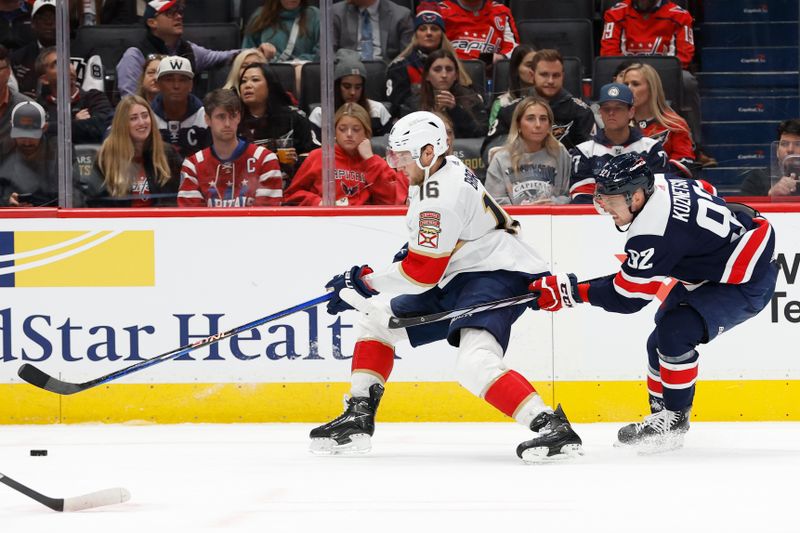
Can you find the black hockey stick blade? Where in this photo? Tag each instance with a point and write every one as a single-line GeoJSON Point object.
{"type": "Point", "coordinates": [411, 321]}
{"type": "Point", "coordinates": [37, 378]}
{"type": "Point", "coordinates": [41, 379]}
{"type": "Point", "coordinates": [77, 503]}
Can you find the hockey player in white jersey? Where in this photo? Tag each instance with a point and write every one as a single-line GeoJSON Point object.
{"type": "Point", "coordinates": [720, 254]}
{"type": "Point", "coordinates": [463, 250]}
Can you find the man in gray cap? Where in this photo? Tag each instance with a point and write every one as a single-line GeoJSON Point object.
{"type": "Point", "coordinates": [615, 138]}
{"type": "Point", "coordinates": [29, 174]}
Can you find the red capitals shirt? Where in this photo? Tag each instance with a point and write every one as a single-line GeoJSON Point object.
{"type": "Point", "coordinates": [358, 181]}
{"type": "Point", "coordinates": [250, 177]}
{"type": "Point", "coordinates": [490, 30]}
{"type": "Point", "coordinates": [666, 31]}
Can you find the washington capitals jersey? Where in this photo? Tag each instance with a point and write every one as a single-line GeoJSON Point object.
{"type": "Point", "coordinates": [250, 177]}
{"type": "Point", "coordinates": [589, 157]}
{"type": "Point", "coordinates": [689, 235]}
{"type": "Point", "coordinates": [455, 226]}
{"type": "Point", "coordinates": [489, 30]}
{"type": "Point", "coordinates": [666, 31]}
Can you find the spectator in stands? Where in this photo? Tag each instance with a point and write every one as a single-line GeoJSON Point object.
{"type": "Point", "coordinates": [134, 166]}
{"type": "Point", "coordinates": [245, 58]}
{"type": "Point", "coordinates": [362, 178]}
{"type": "Point", "coordinates": [449, 129]}
{"type": "Point", "coordinates": [9, 98]}
{"type": "Point", "coordinates": [376, 29]}
{"type": "Point", "coordinates": [656, 119]}
{"type": "Point", "coordinates": [657, 27]}
{"type": "Point", "coordinates": [164, 22]}
{"type": "Point", "coordinates": [29, 173]}
{"type": "Point", "coordinates": [270, 119]}
{"type": "Point", "coordinates": [574, 120]}
{"type": "Point", "coordinates": [350, 85]}
{"type": "Point", "coordinates": [480, 29]}
{"type": "Point", "coordinates": [521, 69]}
{"type": "Point", "coordinates": [404, 75]}
{"type": "Point", "coordinates": [786, 171]}
{"type": "Point", "coordinates": [441, 91]}
{"type": "Point", "coordinates": [85, 13]}
{"type": "Point", "coordinates": [88, 65]}
{"type": "Point", "coordinates": [289, 29]}
{"type": "Point", "coordinates": [617, 137]}
{"type": "Point", "coordinates": [532, 167]}
{"type": "Point", "coordinates": [179, 114]}
{"type": "Point", "coordinates": [231, 172]}
{"type": "Point", "coordinates": [15, 31]}
{"type": "Point", "coordinates": [91, 110]}
{"type": "Point", "coordinates": [148, 83]}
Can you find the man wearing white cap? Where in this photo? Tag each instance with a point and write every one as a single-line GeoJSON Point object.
{"type": "Point", "coordinates": [29, 174]}
{"type": "Point", "coordinates": [179, 114]}
{"type": "Point", "coordinates": [164, 21]}
{"type": "Point", "coordinates": [88, 65]}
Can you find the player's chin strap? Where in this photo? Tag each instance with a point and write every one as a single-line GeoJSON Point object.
{"type": "Point", "coordinates": [427, 169]}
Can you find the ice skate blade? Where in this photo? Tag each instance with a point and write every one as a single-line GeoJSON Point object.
{"type": "Point", "coordinates": [359, 444]}
{"type": "Point", "coordinates": [538, 454]}
{"type": "Point", "coordinates": [654, 446]}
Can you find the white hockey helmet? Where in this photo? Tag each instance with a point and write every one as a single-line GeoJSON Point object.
{"type": "Point", "coordinates": [412, 133]}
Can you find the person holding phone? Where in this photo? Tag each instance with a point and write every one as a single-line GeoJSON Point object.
{"type": "Point", "coordinates": [782, 180]}
{"type": "Point", "coordinates": [29, 175]}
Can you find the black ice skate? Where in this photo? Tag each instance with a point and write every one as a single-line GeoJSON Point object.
{"type": "Point", "coordinates": [350, 432]}
{"type": "Point", "coordinates": [659, 432]}
{"type": "Point", "coordinates": [555, 440]}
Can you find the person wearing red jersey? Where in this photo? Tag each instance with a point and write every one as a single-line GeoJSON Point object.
{"type": "Point", "coordinates": [479, 29]}
{"type": "Point", "coordinates": [656, 27]}
{"type": "Point", "coordinates": [656, 118]}
{"type": "Point", "coordinates": [231, 172]}
{"type": "Point", "coordinates": [362, 178]}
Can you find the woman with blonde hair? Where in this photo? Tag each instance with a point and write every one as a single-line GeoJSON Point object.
{"type": "Point", "coordinates": [532, 167]}
{"type": "Point", "coordinates": [244, 59]}
{"type": "Point", "coordinates": [134, 167]}
{"type": "Point", "coordinates": [657, 119]}
{"type": "Point", "coordinates": [404, 76]}
{"type": "Point", "coordinates": [148, 82]}
{"type": "Point", "coordinates": [362, 178]}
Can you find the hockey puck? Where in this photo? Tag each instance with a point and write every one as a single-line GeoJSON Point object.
{"type": "Point", "coordinates": [38, 453]}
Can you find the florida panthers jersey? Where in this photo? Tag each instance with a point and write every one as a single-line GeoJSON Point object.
{"type": "Point", "coordinates": [455, 226]}
{"type": "Point", "coordinates": [489, 30]}
{"type": "Point", "coordinates": [689, 235]}
{"type": "Point", "coordinates": [250, 177]}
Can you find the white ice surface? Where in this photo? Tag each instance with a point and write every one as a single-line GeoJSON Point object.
{"type": "Point", "coordinates": [419, 477]}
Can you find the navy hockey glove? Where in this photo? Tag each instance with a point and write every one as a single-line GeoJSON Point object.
{"type": "Point", "coordinates": [350, 279]}
{"type": "Point", "coordinates": [401, 254]}
{"type": "Point", "coordinates": [557, 291]}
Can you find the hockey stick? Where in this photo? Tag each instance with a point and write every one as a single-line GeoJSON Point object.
{"type": "Point", "coordinates": [40, 379]}
{"type": "Point", "coordinates": [411, 321]}
{"type": "Point", "coordinates": [77, 503]}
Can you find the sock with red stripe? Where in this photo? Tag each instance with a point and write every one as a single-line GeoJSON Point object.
{"type": "Point", "coordinates": [514, 396]}
{"type": "Point", "coordinates": [372, 363]}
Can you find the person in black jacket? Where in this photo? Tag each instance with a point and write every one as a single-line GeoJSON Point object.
{"type": "Point", "coordinates": [15, 24]}
{"type": "Point", "coordinates": [134, 166]}
{"type": "Point", "coordinates": [574, 120]}
{"type": "Point", "coordinates": [91, 110]}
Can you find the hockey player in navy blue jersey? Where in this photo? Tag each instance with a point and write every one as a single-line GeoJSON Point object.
{"type": "Point", "coordinates": [721, 256]}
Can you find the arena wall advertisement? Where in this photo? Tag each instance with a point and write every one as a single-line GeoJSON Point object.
{"type": "Point", "coordinates": [82, 296]}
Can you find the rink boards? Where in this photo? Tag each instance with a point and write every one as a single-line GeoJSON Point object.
{"type": "Point", "coordinates": [84, 294]}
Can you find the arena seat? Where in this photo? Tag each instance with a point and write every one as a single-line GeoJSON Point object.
{"type": "Point", "coordinates": [551, 9]}
{"type": "Point", "coordinates": [310, 81]}
{"type": "Point", "coordinates": [571, 37]}
{"type": "Point", "coordinates": [205, 11]}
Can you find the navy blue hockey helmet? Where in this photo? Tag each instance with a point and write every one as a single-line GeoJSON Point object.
{"type": "Point", "coordinates": [624, 174]}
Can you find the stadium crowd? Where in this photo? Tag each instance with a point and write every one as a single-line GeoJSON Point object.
{"type": "Point", "coordinates": [171, 112]}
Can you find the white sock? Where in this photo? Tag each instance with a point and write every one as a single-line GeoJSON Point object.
{"type": "Point", "coordinates": [360, 382]}
{"type": "Point", "coordinates": [532, 407]}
